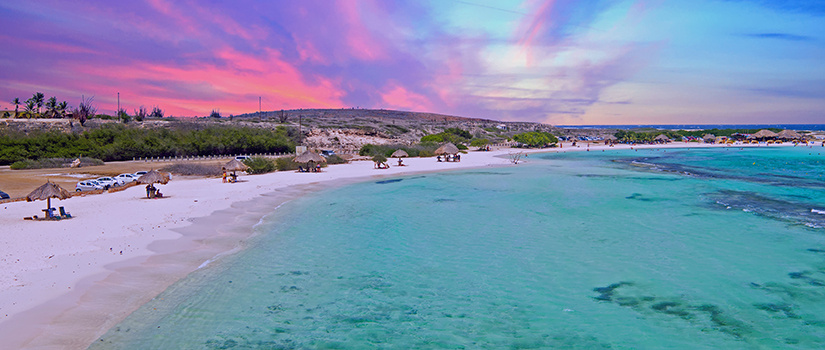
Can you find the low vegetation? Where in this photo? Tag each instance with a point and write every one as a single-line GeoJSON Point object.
{"type": "Point", "coordinates": [53, 163]}
{"type": "Point", "coordinates": [535, 139]}
{"type": "Point", "coordinates": [259, 165]}
{"type": "Point", "coordinates": [193, 169]}
{"type": "Point", "coordinates": [121, 142]}
{"type": "Point", "coordinates": [420, 150]}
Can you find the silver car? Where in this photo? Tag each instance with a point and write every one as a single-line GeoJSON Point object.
{"type": "Point", "coordinates": [107, 182]}
{"type": "Point", "coordinates": [126, 178]}
{"type": "Point", "coordinates": [88, 185]}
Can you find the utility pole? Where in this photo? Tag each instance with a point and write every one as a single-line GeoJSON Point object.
{"type": "Point", "coordinates": [118, 104]}
{"type": "Point", "coordinates": [259, 105]}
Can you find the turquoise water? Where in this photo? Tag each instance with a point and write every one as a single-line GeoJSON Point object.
{"type": "Point", "coordinates": [677, 249]}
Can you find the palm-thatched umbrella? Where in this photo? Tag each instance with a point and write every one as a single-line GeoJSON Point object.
{"type": "Point", "coordinates": [448, 148]}
{"type": "Point", "coordinates": [610, 138]}
{"type": "Point", "coordinates": [48, 191]}
{"type": "Point", "coordinates": [709, 138]}
{"type": "Point", "coordinates": [235, 165]}
{"type": "Point", "coordinates": [662, 138]}
{"type": "Point", "coordinates": [152, 177]}
{"type": "Point", "coordinates": [789, 135]}
{"type": "Point", "coordinates": [309, 157]}
{"type": "Point", "coordinates": [764, 134]}
{"type": "Point", "coordinates": [399, 153]}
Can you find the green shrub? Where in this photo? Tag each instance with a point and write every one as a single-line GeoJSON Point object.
{"type": "Point", "coordinates": [53, 163]}
{"type": "Point", "coordinates": [193, 169]}
{"type": "Point", "coordinates": [535, 138]}
{"type": "Point", "coordinates": [259, 165]}
{"type": "Point", "coordinates": [286, 163]}
{"type": "Point", "coordinates": [335, 159]}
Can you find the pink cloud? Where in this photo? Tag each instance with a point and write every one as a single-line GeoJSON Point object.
{"type": "Point", "coordinates": [397, 96]}
{"type": "Point", "coordinates": [534, 27]}
{"type": "Point", "coordinates": [362, 43]}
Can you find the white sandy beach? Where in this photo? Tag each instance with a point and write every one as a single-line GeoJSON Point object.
{"type": "Point", "coordinates": [65, 283]}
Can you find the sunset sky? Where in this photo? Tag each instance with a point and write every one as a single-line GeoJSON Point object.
{"type": "Point", "coordinates": [557, 62]}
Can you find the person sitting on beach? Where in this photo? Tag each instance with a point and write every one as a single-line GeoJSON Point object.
{"type": "Point", "coordinates": [400, 163]}
{"type": "Point", "coordinates": [158, 194]}
{"type": "Point", "coordinates": [317, 168]}
{"type": "Point", "coordinates": [457, 157]}
{"type": "Point", "coordinates": [439, 158]}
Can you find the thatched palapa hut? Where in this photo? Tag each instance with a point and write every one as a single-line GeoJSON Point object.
{"type": "Point", "coordinates": [399, 153]}
{"type": "Point", "coordinates": [709, 138]}
{"type": "Point", "coordinates": [46, 192]}
{"type": "Point", "coordinates": [763, 134]}
{"type": "Point", "coordinates": [662, 138]}
{"type": "Point", "coordinates": [788, 135]}
{"type": "Point", "coordinates": [309, 158]}
{"type": "Point", "coordinates": [446, 149]}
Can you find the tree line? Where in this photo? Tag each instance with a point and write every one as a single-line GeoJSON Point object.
{"type": "Point", "coordinates": [121, 142]}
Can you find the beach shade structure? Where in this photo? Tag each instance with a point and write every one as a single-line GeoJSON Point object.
{"type": "Point", "coordinates": [309, 157]}
{"type": "Point", "coordinates": [46, 192]}
{"type": "Point", "coordinates": [235, 165]}
{"type": "Point", "coordinates": [789, 135]}
{"type": "Point", "coordinates": [610, 138]}
{"type": "Point", "coordinates": [662, 138]}
{"type": "Point", "coordinates": [709, 138]}
{"type": "Point", "coordinates": [764, 134]}
{"type": "Point", "coordinates": [153, 177]}
{"type": "Point", "coordinates": [448, 148]}
{"type": "Point", "coordinates": [399, 153]}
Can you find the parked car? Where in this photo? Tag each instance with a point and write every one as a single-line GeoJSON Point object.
{"type": "Point", "coordinates": [140, 173]}
{"type": "Point", "coordinates": [126, 178]}
{"type": "Point", "coordinates": [107, 182]}
{"type": "Point", "coordinates": [88, 185]}
{"type": "Point", "coordinates": [4, 195]}
{"type": "Point", "coordinates": [242, 158]}
{"type": "Point", "coordinates": [327, 153]}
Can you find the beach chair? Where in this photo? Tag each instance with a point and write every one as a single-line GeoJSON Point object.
{"type": "Point", "coordinates": [64, 214]}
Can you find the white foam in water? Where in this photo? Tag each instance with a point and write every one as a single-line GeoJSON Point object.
{"type": "Point", "coordinates": [818, 211]}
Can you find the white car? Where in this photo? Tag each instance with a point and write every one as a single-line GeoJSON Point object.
{"type": "Point", "coordinates": [140, 173]}
{"type": "Point", "coordinates": [242, 158]}
{"type": "Point", "coordinates": [126, 178]}
{"type": "Point", "coordinates": [88, 185]}
{"type": "Point", "coordinates": [107, 182]}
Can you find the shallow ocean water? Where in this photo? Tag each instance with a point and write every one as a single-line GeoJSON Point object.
{"type": "Point", "coordinates": [681, 249]}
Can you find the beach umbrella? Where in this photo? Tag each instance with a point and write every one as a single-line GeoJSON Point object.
{"type": "Point", "coordinates": [709, 138]}
{"type": "Point", "coordinates": [48, 191]}
{"type": "Point", "coordinates": [235, 165]}
{"type": "Point", "coordinates": [399, 153]}
{"type": "Point", "coordinates": [309, 156]}
{"type": "Point", "coordinates": [152, 177]}
{"type": "Point", "coordinates": [449, 148]}
{"type": "Point", "coordinates": [789, 135]}
{"type": "Point", "coordinates": [764, 133]}
{"type": "Point", "coordinates": [610, 138]}
{"type": "Point", "coordinates": [662, 137]}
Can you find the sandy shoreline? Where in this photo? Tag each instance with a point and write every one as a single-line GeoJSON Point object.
{"type": "Point", "coordinates": [63, 284]}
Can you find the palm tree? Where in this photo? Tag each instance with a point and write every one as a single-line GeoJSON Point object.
{"type": "Point", "coordinates": [16, 102]}
{"type": "Point", "coordinates": [30, 107]}
{"type": "Point", "coordinates": [51, 107]}
{"type": "Point", "coordinates": [38, 100]}
{"type": "Point", "coordinates": [61, 108]}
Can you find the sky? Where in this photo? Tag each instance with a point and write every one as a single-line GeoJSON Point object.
{"type": "Point", "coordinates": [561, 62]}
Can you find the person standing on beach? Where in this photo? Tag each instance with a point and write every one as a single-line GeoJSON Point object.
{"type": "Point", "coordinates": [224, 174]}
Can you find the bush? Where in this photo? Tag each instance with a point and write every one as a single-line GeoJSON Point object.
{"type": "Point", "coordinates": [286, 163]}
{"type": "Point", "coordinates": [53, 163]}
{"type": "Point", "coordinates": [335, 159]}
{"type": "Point", "coordinates": [535, 138]}
{"type": "Point", "coordinates": [195, 169]}
{"type": "Point", "coordinates": [259, 165]}
{"type": "Point", "coordinates": [427, 148]}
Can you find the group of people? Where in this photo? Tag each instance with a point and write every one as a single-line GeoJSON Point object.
{"type": "Point", "coordinates": [153, 192]}
{"type": "Point", "coordinates": [450, 158]}
{"type": "Point", "coordinates": [228, 177]}
{"type": "Point", "coordinates": [310, 169]}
